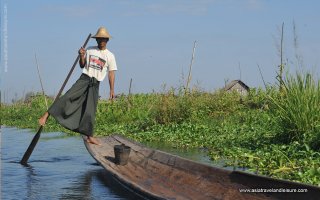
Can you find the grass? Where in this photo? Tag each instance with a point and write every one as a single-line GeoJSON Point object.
{"type": "Point", "coordinates": [298, 109]}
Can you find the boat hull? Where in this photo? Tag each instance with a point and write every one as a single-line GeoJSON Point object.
{"type": "Point", "coordinates": [159, 175]}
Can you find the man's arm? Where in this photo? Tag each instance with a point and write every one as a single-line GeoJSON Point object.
{"type": "Point", "coordinates": [82, 60]}
{"type": "Point", "coordinates": [111, 77]}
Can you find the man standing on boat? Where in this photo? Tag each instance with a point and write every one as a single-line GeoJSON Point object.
{"type": "Point", "coordinates": [76, 109]}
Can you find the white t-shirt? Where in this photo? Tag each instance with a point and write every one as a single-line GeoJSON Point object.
{"type": "Point", "coordinates": [99, 62]}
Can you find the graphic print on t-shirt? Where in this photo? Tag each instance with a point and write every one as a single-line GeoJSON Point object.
{"type": "Point", "coordinates": [96, 62]}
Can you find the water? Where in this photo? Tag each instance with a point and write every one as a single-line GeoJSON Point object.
{"type": "Point", "coordinates": [199, 155]}
{"type": "Point", "coordinates": [195, 154]}
{"type": "Point", "coordinates": [60, 168]}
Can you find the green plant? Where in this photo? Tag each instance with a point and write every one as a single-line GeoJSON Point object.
{"type": "Point", "coordinates": [298, 109]}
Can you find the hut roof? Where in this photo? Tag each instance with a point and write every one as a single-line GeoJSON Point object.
{"type": "Point", "coordinates": [232, 83]}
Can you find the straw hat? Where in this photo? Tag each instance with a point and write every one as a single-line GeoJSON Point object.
{"type": "Point", "coordinates": [102, 33]}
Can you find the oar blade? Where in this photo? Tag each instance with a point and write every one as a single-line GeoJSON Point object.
{"type": "Point", "coordinates": [29, 151]}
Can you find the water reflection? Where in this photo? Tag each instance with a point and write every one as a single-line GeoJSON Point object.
{"type": "Point", "coordinates": [59, 168]}
{"type": "Point", "coordinates": [97, 179]}
{"type": "Point", "coordinates": [31, 183]}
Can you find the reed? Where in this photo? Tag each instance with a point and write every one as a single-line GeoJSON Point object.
{"type": "Point", "coordinates": [298, 109]}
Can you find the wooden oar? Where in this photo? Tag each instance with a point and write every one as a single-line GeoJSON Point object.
{"type": "Point", "coordinates": [35, 139]}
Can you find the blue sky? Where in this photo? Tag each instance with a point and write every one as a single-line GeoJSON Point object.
{"type": "Point", "coordinates": [153, 41]}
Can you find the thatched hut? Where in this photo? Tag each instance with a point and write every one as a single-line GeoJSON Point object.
{"type": "Point", "coordinates": [237, 85]}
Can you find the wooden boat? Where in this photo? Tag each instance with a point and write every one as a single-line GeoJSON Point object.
{"type": "Point", "coordinates": [158, 175]}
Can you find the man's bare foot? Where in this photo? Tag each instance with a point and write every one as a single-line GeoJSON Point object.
{"type": "Point", "coordinates": [92, 140]}
{"type": "Point", "coordinates": [43, 119]}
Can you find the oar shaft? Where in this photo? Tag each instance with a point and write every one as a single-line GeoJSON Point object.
{"type": "Point", "coordinates": [70, 72]}
{"type": "Point", "coordinates": [35, 139]}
